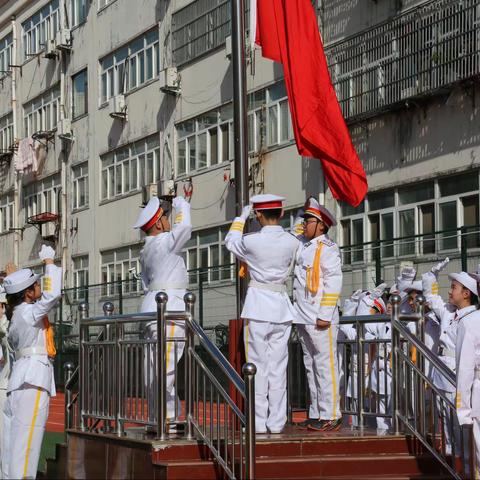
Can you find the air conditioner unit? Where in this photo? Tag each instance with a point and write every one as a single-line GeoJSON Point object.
{"type": "Point", "coordinates": [118, 107]}
{"type": "Point", "coordinates": [64, 129]}
{"type": "Point", "coordinates": [63, 39]}
{"type": "Point", "coordinates": [49, 230]}
{"type": "Point", "coordinates": [149, 191]}
{"type": "Point", "coordinates": [171, 81]}
{"type": "Point", "coordinates": [50, 49]}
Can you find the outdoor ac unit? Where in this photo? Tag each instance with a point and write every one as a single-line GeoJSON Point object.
{"type": "Point", "coordinates": [63, 39]}
{"type": "Point", "coordinates": [50, 49]}
{"type": "Point", "coordinates": [171, 79]}
{"type": "Point", "coordinates": [49, 230]}
{"type": "Point", "coordinates": [118, 107]}
{"type": "Point", "coordinates": [64, 129]}
{"type": "Point", "coordinates": [149, 191]}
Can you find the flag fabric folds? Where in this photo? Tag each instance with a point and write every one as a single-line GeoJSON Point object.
{"type": "Point", "coordinates": [288, 33]}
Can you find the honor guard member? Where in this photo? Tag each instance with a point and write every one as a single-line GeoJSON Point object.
{"type": "Point", "coordinates": [317, 287]}
{"type": "Point", "coordinates": [163, 270]}
{"type": "Point", "coordinates": [5, 354]}
{"type": "Point", "coordinates": [31, 382]}
{"type": "Point", "coordinates": [468, 378]}
{"type": "Point", "coordinates": [462, 300]}
{"type": "Point", "coordinates": [268, 313]}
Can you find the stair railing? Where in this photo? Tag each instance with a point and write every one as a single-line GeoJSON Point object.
{"type": "Point", "coordinates": [211, 413]}
{"type": "Point", "coordinates": [122, 379]}
{"type": "Point", "coordinates": [419, 407]}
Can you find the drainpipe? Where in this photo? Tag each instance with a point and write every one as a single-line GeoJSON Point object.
{"type": "Point", "coordinates": [64, 154]}
{"type": "Point", "coordinates": [16, 188]}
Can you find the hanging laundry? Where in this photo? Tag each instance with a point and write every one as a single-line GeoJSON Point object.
{"type": "Point", "coordinates": [26, 159]}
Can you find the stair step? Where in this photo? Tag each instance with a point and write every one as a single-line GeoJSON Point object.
{"type": "Point", "coordinates": [346, 466]}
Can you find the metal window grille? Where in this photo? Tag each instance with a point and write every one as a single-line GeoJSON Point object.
{"type": "Point", "coordinates": [417, 53]}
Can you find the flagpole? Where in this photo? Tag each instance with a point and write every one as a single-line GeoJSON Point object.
{"type": "Point", "coordinates": [240, 123]}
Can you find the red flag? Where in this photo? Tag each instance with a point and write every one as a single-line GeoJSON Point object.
{"type": "Point", "coordinates": [287, 31]}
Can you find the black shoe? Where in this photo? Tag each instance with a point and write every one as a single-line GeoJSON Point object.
{"type": "Point", "coordinates": [304, 425]}
{"type": "Point", "coordinates": [326, 425]}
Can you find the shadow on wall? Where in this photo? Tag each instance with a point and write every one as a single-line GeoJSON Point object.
{"type": "Point", "coordinates": [415, 135]}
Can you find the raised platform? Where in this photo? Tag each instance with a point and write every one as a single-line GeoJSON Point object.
{"type": "Point", "coordinates": [295, 453]}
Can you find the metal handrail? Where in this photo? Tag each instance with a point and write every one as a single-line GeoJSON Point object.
{"type": "Point", "coordinates": [404, 369]}
{"type": "Point", "coordinates": [107, 359]}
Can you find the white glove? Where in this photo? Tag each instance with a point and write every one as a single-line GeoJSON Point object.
{"type": "Point", "coordinates": [408, 274]}
{"type": "Point", "coordinates": [178, 202]}
{"type": "Point", "coordinates": [246, 212]}
{"type": "Point", "coordinates": [406, 277]}
{"type": "Point", "coordinates": [377, 292]}
{"type": "Point", "coordinates": [436, 269]}
{"type": "Point", "coordinates": [357, 295]}
{"type": "Point", "coordinates": [46, 252]}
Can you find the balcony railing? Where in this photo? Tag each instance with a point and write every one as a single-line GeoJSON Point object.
{"type": "Point", "coordinates": [417, 53]}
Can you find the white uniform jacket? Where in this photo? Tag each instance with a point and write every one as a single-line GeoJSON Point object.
{"type": "Point", "coordinates": [27, 330]}
{"type": "Point", "coordinates": [5, 354]}
{"type": "Point", "coordinates": [269, 255]}
{"type": "Point", "coordinates": [468, 368]}
{"type": "Point", "coordinates": [163, 268]}
{"type": "Point", "coordinates": [449, 318]}
{"type": "Point", "coordinates": [316, 293]}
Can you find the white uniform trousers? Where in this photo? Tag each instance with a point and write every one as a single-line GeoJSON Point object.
{"type": "Point", "coordinates": [266, 346]}
{"type": "Point", "coordinates": [25, 417]}
{"type": "Point", "coordinates": [174, 354]}
{"type": "Point", "coordinates": [321, 347]}
{"type": "Point", "coordinates": [476, 439]}
{"type": "Point", "coordinates": [444, 413]}
{"type": "Point", "coordinates": [384, 406]}
{"type": "Point", "coordinates": [3, 401]}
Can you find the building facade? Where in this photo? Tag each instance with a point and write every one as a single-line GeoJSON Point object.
{"type": "Point", "coordinates": [105, 102]}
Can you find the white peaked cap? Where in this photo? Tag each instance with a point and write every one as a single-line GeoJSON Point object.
{"type": "Point", "coordinates": [148, 212]}
{"type": "Point", "coordinates": [267, 201]}
{"type": "Point", "coordinates": [415, 286]}
{"type": "Point", "coordinates": [318, 211]}
{"type": "Point", "coordinates": [467, 280]}
{"type": "Point", "coordinates": [20, 280]}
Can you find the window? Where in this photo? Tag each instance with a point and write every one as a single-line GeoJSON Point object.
{"type": "Point", "coordinates": [80, 94]}
{"type": "Point", "coordinates": [80, 277]}
{"type": "Point", "coordinates": [6, 133]}
{"type": "Point", "coordinates": [207, 140]}
{"type": "Point", "coordinates": [40, 28]}
{"type": "Point", "coordinates": [130, 66]}
{"type": "Point", "coordinates": [199, 28]}
{"type": "Point", "coordinates": [405, 219]}
{"type": "Point", "coordinates": [207, 258]}
{"type": "Point", "coordinates": [80, 186]}
{"type": "Point", "coordinates": [121, 265]}
{"type": "Point", "coordinates": [279, 126]}
{"type": "Point", "coordinates": [43, 113]}
{"type": "Point", "coordinates": [41, 196]}
{"type": "Point", "coordinates": [129, 168]}
{"type": "Point", "coordinates": [104, 3]}
{"type": "Point", "coordinates": [6, 213]}
{"type": "Point", "coordinates": [78, 12]}
{"type": "Point", "coordinates": [5, 54]}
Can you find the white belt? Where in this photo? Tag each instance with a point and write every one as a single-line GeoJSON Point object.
{"type": "Point", "coordinates": [273, 287]}
{"type": "Point", "coordinates": [28, 352]}
{"type": "Point", "coordinates": [161, 287]}
{"type": "Point", "coordinates": [445, 352]}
